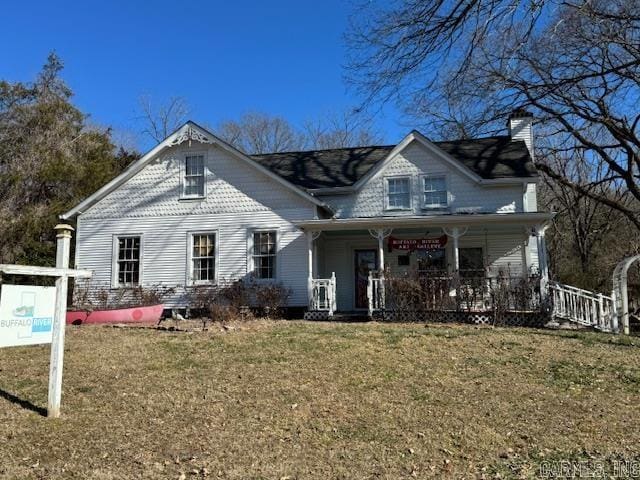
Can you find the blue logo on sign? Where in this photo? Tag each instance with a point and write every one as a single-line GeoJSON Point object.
{"type": "Point", "coordinates": [41, 325]}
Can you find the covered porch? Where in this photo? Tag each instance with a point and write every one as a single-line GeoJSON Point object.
{"type": "Point", "coordinates": [356, 264]}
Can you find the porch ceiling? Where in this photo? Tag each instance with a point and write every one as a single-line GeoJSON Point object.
{"type": "Point", "coordinates": [529, 219]}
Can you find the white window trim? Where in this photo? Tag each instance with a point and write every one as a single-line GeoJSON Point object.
{"type": "Point", "coordinates": [250, 268]}
{"type": "Point", "coordinates": [190, 234]}
{"type": "Point", "coordinates": [183, 172]}
{"type": "Point", "coordinates": [386, 192]}
{"type": "Point", "coordinates": [114, 259]}
{"type": "Point", "coordinates": [435, 206]}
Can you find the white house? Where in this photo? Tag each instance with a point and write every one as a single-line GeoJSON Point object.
{"type": "Point", "coordinates": [195, 210]}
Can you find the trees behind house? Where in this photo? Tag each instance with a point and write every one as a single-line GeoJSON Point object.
{"type": "Point", "coordinates": [161, 119]}
{"type": "Point", "coordinates": [468, 63]}
{"type": "Point", "coordinates": [256, 133]}
{"type": "Point", "coordinates": [49, 161]}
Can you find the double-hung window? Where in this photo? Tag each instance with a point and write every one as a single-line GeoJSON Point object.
{"type": "Point", "coordinates": [399, 193]}
{"type": "Point", "coordinates": [203, 258]}
{"type": "Point", "coordinates": [128, 261]}
{"type": "Point", "coordinates": [264, 254]}
{"type": "Point", "coordinates": [434, 191]}
{"type": "Point", "coordinates": [193, 180]}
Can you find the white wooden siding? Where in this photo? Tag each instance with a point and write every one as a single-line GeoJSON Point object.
{"type": "Point", "coordinates": [231, 186]}
{"type": "Point", "coordinates": [165, 243]}
{"type": "Point", "coordinates": [464, 194]}
{"type": "Point", "coordinates": [238, 200]}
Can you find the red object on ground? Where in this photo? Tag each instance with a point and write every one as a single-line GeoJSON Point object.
{"type": "Point", "coordinates": [150, 314]}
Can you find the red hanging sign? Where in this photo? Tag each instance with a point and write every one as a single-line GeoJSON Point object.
{"type": "Point", "coordinates": [411, 244]}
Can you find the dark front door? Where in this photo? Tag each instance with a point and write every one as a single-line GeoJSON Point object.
{"type": "Point", "coordinates": [365, 261]}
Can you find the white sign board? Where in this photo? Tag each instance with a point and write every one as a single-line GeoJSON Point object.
{"type": "Point", "coordinates": [26, 315]}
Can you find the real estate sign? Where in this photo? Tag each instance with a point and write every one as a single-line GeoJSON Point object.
{"type": "Point", "coordinates": [26, 315]}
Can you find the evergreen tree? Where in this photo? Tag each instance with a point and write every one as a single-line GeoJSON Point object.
{"type": "Point", "coordinates": [50, 159]}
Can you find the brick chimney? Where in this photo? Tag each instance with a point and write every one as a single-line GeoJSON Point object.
{"type": "Point", "coordinates": [521, 127]}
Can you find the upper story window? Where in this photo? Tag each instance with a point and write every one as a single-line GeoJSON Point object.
{"type": "Point", "coordinates": [264, 254]}
{"type": "Point", "coordinates": [399, 193]}
{"type": "Point", "coordinates": [128, 261]}
{"type": "Point", "coordinates": [434, 191]}
{"type": "Point", "coordinates": [203, 257]}
{"type": "Point", "coordinates": [193, 181]}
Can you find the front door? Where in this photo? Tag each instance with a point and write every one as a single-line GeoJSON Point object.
{"type": "Point", "coordinates": [364, 261]}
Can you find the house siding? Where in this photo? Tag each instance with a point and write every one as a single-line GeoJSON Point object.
{"type": "Point", "coordinates": [232, 186]}
{"type": "Point", "coordinates": [465, 195]}
{"type": "Point", "coordinates": [165, 256]}
{"type": "Point", "coordinates": [239, 199]}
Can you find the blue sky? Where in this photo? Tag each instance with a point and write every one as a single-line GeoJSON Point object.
{"type": "Point", "coordinates": [225, 58]}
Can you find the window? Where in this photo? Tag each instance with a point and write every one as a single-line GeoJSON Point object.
{"type": "Point", "coordinates": [432, 262]}
{"type": "Point", "coordinates": [128, 262]}
{"type": "Point", "coordinates": [203, 258]}
{"type": "Point", "coordinates": [264, 254]}
{"type": "Point", "coordinates": [193, 185]}
{"type": "Point", "coordinates": [435, 191]}
{"type": "Point", "coordinates": [398, 193]}
{"type": "Point", "coordinates": [471, 262]}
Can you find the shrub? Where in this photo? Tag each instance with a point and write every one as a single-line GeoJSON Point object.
{"type": "Point", "coordinates": [89, 296]}
{"type": "Point", "coordinates": [272, 298]}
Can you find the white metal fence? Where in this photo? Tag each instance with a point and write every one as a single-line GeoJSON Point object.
{"type": "Point", "coordinates": [583, 307]}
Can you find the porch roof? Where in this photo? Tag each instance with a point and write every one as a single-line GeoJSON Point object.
{"type": "Point", "coordinates": [527, 219]}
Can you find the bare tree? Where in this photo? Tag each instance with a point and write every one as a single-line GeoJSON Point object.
{"type": "Point", "coordinates": [257, 133]}
{"type": "Point", "coordinates": [574, 63]}
{"type": "Point", "coordinates": [161, 119]}
{"type": "Point", "coordinates": [339, 130]}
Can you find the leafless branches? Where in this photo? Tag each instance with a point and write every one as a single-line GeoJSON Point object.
{"type": "Point", "coordinates": [462, 66]}
{"type": "Point", "coordinates": [161, 119]}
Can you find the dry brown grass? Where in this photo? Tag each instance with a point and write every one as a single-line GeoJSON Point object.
{"type": "Point", "coordinates": [318, 400]}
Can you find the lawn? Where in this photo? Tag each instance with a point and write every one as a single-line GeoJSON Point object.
{"type": "Point", "coordinates": [289, 400]}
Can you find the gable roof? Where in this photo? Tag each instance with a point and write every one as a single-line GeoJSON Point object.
{"type": "Point", "coordinates": [489, 158]}
{"type": "Point", "coordinates": [188, 132]}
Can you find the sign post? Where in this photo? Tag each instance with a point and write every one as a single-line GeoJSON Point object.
{"type": "Point", "coordinates": [57, 342]}
{"type": "Point", "coordinates": [35, 315]}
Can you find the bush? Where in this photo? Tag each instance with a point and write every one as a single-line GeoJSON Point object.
{"type": "Point", "coordinates": [272, 298]}
{"type": "Point", "coordinates": [89, 296]}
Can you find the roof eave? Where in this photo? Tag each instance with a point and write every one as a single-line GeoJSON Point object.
{"type": "Point", "coordinates": [335, 224]}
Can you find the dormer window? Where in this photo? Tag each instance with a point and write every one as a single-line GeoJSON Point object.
{"type": "Point", "coordinates": [398, 193]}
{"type": "Point", "coordinates": [193, 181]}
{"type": "Point", "coordinates": [435, 191]}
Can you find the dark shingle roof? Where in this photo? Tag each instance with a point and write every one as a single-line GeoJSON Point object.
{"type": "Point", "coordinates": [491, 157]}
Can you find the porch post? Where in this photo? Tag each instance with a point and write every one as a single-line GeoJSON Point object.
{"type": "Point", "coordinates": [455, 233]}
{"type": "Point", "coordinates": [456, 251]}
{"type": "Point", "coordinates": [381, 249]}
{"type": "Point", "coordinates": [542, 261]}
{"type": "Point", "coordinates": [310, 269]}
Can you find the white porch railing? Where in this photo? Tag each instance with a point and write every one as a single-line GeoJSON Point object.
{"type": "Point", "coordinates": [323, 294]}
{"type": "Point", "coordinates": [583, 307]}
{"type": "Point", "coordinates": [375, 292]}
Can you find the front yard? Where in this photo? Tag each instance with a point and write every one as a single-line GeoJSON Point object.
{"type": "Point", "coordinates": [288, 400]}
